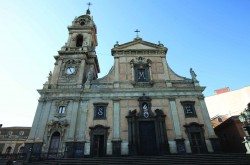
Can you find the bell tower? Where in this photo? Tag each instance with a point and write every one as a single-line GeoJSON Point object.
{"type": "Point", "coordinates": [76, 62]}
{"type": "Point", "coordinates": [58, 115]}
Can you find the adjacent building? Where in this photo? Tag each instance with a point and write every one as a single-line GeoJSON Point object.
{"type": "Point", "coordinates": [141, 107]}
{"type": "Point", "coordinates": [224, 108]}
{"type": "Point", "coordinates": [231, 135]}
{"type": "Point", "coordinates": [12, 139]}
{"type": "Point", "coordinates": [228, 103]}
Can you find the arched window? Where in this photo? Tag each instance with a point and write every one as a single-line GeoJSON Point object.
{"type": "Point", "coordinates": [8, 150]}
{"type": "Point", "coordinates": [79, 40]}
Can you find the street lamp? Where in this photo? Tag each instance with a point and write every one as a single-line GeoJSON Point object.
{"type": "Point", "coordinates": [245, 119]}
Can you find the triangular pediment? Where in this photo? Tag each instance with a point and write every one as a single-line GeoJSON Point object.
{"type": "Point", "coordinates": [138, 44]}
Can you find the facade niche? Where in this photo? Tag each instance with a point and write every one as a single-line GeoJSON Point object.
{"type": "Point", "coordinates": [141, 71]}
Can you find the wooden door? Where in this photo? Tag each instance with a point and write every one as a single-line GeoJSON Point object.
{"type": "Point", "coordinates": [54, 145]}
{"type": "Point", "coordinates": [147, 137]}
{"type": "Point", "coordinates": [99, 145]}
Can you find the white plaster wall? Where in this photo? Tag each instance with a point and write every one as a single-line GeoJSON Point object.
{"type": "Point", "coordinates": [229, 103]}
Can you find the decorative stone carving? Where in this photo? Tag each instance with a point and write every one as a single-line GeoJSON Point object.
{"type": "Point", "coordinates": [59, 126]}
{"type": "Point", "coordinates": [62, 103]}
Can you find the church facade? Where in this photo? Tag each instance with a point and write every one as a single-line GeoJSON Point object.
{"type": "Point", "coordinates": [141, 107]}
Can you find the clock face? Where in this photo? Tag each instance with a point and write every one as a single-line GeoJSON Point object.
{"type": "Point", "coordinates": [70, 70]}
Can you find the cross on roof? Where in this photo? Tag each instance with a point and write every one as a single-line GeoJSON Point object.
{"type": "Point", "coordinates": [137, 31]}
{"type": "Point", "coordinates": [89, 4]}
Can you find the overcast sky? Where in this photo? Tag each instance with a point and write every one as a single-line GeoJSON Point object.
{"type": "Point", "coordinates": [211, 36]}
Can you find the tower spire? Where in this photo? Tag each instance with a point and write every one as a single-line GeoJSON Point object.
{"type": "Point", "coordinates": [88, 11]}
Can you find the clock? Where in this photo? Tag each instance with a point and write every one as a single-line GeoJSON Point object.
{"type": "Point", "coordinates": [70, 70]}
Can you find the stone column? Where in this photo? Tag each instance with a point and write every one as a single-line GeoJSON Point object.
{"type": "Point", "coordinates": [116, 141]}
{"type": "Point", "coordinates": [36, 120]}
{"type": "Point", "coordinates": [116, 83]}
{"type": "Point", "coordinates": [40, 132]}
{"type": "Point", "coordinates": [72, 126]}
{"type": "Point", "coordinates": [165, 67]}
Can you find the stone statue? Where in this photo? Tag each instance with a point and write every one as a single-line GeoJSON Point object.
{"type": "Point", "coordinates": [193, 75]}
{"type": "Point", "coordinates": [49, 77]}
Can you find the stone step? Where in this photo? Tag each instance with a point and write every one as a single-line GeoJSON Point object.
{"type": "Point", "coordinates": [201, 159]}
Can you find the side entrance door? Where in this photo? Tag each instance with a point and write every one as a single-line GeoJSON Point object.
{"type": "Point", "coordinates": [147, 138]}
{"type": "Point", "coordinates": [98, 146]}
{"type": "Point", "coordinates": [196, 142]}
{"type": "Point", "coordinates": [54, 144]}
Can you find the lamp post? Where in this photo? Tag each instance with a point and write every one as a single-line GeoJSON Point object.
{"type": "Point", "coordinates": [245, 119]}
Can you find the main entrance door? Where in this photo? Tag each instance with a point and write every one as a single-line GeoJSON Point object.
{"type": "Point", "coordinates": [99, 145]}
{"type": "Point", "coordinates": [147, 137]}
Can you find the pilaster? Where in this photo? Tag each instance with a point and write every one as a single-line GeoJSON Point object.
{"type": "Point", "coordinates": [165, 67]}
{"type": "Point", "coordinates": [206, 118]}
{"type": "Point", "coordinates": [175, 118]}
{"type": "Point", "coordinates": [116, 83]}
{"type": "Point", "coordinates": [72, 126]}
{"type": "Point", "coordinates": [40, 132]}
{"type": "Point", "coordinates": [116, 142]}
{"type": "Point", "coordinates": [116, 119]}
{"type": "Point", "coordinates": [83, 121]}
{"type": "Point", "coordinates": [36, 120]}
{"type": "Point", "coordinates": [81, 72]}
{"type": "Point", "coordinates": [56, 71]}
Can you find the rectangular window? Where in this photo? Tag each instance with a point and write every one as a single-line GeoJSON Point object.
{"type": "Point", "coordinates": [189, 109]}
{"type": "Point", "coordinates": [100, 111]}
{"type": "Point", "coordinates": [61, 110]}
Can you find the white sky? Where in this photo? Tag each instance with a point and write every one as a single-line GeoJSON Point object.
{"type": "Point", "coordinates": [212, 37]}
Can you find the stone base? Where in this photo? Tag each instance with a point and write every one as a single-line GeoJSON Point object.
{"type": "Point", "coordinates": [180, 146]}
{"type": "Point", "coordinates": [116, 147]}
{"type": "Point", "coordinates": [215, 144]}
{"type": "Point", "coordinates": [74, 149]}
